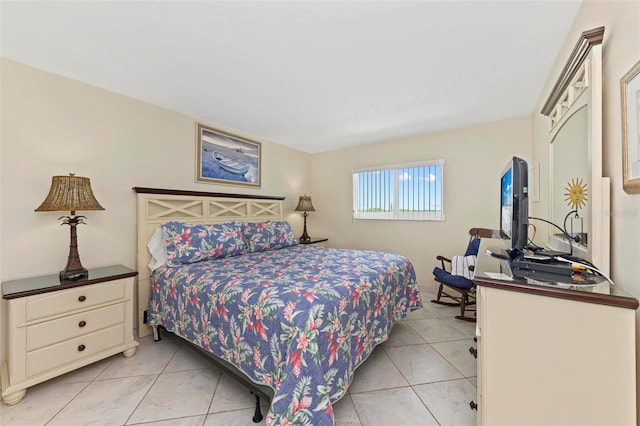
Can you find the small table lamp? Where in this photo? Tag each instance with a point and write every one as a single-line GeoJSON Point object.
{"type": "Point", "coordinates": [71, 193]}
{"type": "Point", "coordinates": [304, 205]}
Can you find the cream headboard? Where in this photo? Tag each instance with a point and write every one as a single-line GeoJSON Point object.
{"type": "Point", "coordinates": [156, 206]}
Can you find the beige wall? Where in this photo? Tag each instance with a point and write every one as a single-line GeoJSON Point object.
{"type": "Point", "coordinates": [621, 49]}
{"type": "Point", "coordinates": [474, 158]}
{"type": "Point", "coordinates": [53, 125]}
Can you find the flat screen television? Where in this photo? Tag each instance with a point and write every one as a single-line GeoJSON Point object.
{"type": "Point", "coordinates": [514, 204]}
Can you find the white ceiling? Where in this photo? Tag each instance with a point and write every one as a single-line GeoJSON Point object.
{"type": "Point", "coordinates": [314, 75]}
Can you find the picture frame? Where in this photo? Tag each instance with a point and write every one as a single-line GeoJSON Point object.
{"type": "Point", "coordinates": [227, 159]}
{"type": "Point", "coordinates": [630, 97]}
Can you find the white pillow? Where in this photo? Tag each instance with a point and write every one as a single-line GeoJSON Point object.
{"type": "Point", "coordinates": [157, 249]}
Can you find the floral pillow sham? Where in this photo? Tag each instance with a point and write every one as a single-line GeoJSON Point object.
{"type": "Point", "coordinates": [191, 243]}
{"type": "Point", "coordinates": [269, 235]}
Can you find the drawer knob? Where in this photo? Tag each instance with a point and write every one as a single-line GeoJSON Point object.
{"type": "Point", "coordinates": [473, 405]}
{"type": "Point", "coordinates": [473, 351]}
{"type": "Point", "coordinates": [82, 298]}
{"type": "Point", "coordinates": [82, 324]}
{"type": "Point", "coordinates": [81, 348]}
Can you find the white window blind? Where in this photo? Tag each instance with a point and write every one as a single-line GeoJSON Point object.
{"type": "Point", "coordinates": [411, 191]}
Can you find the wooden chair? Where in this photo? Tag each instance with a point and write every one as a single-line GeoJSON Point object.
{"type": "Point", "coordinates": [458, 288]}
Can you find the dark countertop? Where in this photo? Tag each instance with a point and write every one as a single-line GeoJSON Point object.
{"type": "Point", "coordinates": [495, 272]}
{"type": "Point", "coordinates": [48, 283]}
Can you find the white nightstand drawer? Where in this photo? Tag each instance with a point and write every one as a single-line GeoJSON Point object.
{"type": "Point", "coordinates": [72, 350]}
{"type": "Point", "coordinates": [56, 331]}
{"type": "Point", "coordinates": [60, 302]}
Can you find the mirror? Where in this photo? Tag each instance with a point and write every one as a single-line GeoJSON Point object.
{"type": "Point", "coordinates": [574, 108]}
{"type": "Point", "coordinates": [571, 177]}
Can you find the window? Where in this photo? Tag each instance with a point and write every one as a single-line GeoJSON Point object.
{"type": "Point", "coordinates": [399, 192]}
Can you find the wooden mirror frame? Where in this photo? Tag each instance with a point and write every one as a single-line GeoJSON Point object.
{"type": "Point", "coordinates": [580, 84]}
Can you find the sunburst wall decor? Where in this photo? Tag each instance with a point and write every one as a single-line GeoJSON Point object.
{"type": "Point", "coordinates": [576, 194]}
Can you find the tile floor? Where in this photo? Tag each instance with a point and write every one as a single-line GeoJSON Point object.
{"type": "Point", "coordinates": [423, 375]}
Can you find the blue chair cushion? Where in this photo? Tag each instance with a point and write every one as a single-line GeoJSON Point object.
{"type": "Point", "coordinates": [457, 281]}
{"type": "Point", "coordinates": [473, 248]}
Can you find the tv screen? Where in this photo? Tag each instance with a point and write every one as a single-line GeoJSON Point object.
{"type": "Point", "coordinates": [506, 202]}
{"type": "Point", "coordinates": [514, 204]}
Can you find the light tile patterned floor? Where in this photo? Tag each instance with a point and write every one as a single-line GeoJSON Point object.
{"type": "Point", "coordinates": [423, 375]}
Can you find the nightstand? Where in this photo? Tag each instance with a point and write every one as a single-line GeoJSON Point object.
{"type": "Point", "coordinates": [317, 241]}
{"type": "Point", "coordinates": [55, 328]}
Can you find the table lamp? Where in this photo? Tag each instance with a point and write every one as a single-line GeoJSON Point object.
{"type": "Point", "coordinates": [304, 205]}
{"type": "Point", "coordinates": [71, 193]}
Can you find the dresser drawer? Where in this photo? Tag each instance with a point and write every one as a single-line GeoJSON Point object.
{"type": "Point", "coordinates": [74, 350]}
{"type": "Point", "coordinates": [59, 330]}
{"type": "Point", "coordinates": [64, 301]}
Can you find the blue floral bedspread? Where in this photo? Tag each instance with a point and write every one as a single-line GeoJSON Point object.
{"type": "Point", "coordinates": [299, 319]}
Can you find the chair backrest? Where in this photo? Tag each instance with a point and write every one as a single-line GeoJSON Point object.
{"type": "Point", "coordinates": [474, 239]}
{"type": "Point", "coordinates": [484, 233]}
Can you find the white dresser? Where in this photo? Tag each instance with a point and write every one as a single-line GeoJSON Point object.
{"type": "Point", "coordinates": [553, 353]}
{"type": "Point", "coordinates": [55, 328]}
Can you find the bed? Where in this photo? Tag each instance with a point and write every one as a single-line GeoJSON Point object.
{"type": "Point", "coordinates": [291, 321]}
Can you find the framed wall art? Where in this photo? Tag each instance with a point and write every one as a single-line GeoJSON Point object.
{"type": "Point", "coordinates": [227, 159]}
{"type": "Point", "coordinates": [630, 88]}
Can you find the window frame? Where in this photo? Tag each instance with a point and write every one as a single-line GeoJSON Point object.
{"type": "Point", "coordinates": [437, 216]}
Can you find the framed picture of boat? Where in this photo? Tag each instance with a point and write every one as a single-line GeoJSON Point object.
{"type": "Point", "coordinates": [227, 159]}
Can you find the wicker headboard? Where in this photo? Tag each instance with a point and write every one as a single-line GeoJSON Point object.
{"type": "Point", "coordinates": [156, 206]}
